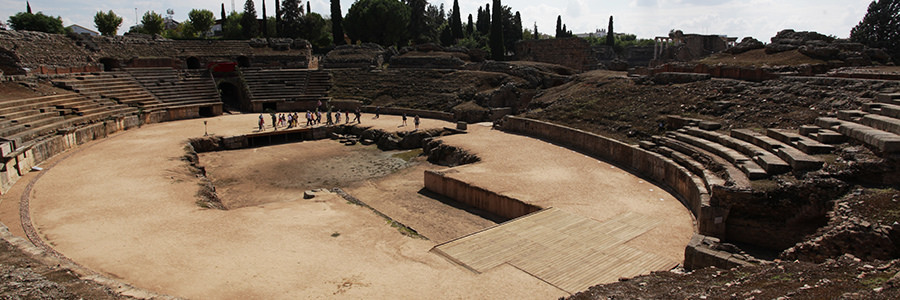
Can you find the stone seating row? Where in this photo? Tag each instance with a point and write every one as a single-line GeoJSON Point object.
{"type": "Point", "coordinates": [40, 116]}
{"type": "Point", "coordinates": [117, 86]}
{"type": "Point", "coordinates": [750, 168]}
{"type": "Point", "coordinates": [287, 85]}
{"type": "Point", "coordinates": [178, 87]}
{"type": "Point", "coordinates": [877, 124]}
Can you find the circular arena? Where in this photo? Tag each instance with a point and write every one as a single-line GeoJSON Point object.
{"type": "Point", "coordinates": [126, 207]}
{"type": "Point", "coordinates": [157, 168]}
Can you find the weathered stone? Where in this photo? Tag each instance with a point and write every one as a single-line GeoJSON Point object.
{"type": "Point", "coordinates": [309, 195]}
{"type": "Point", "coordinates": [747, 44]}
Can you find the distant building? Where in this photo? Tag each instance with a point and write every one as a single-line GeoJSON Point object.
{"type": "Point", "coordinates": [599, 33]}
{"type": "Point", "coordinates": [82, 30]}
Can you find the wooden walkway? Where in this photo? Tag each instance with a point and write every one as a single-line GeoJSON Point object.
{"type": "Point", "coordinates": [568, 251]}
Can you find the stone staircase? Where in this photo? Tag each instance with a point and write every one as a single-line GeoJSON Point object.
{"type": "Point", "coordinates": [178, 88]}
{"type": "Point", "coordinates": [287, 84]}
{"type": "Point", "coordinates": [877, 125]}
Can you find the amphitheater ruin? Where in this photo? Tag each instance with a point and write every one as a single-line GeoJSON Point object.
{"type": "Point", "coordinates": [137, 163]}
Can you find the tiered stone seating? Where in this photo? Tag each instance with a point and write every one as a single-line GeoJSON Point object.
{"type": "Point", "coordinates": [178, 88]}
{"type": "Point", "coordinates": [27, 119]}
{"type": "Point", "coordinates": [876, 125]}
{"type": "Point", "coordinates": [117, 86]}
{"type": "Point", "coordinates": [741, 156]}
{"type": "Point", "coordinates": [287, 85]}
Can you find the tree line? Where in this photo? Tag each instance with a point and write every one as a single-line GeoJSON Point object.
{"type": "Point", "coordinates": [494, 27]}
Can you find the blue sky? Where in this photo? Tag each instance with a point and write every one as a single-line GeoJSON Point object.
{"type": "Point", "coordinates": [646, 18]}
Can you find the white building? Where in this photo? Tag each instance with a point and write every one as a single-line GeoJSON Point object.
{"type": "Point", "coordinates": [81, 30]}
{"type": "Point", "coordinates": [599, 33]}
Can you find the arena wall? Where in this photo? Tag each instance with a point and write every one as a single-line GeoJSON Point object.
{"type": "Point", "coordinates": [428, 114]}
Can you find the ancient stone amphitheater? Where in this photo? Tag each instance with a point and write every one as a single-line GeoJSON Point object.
{"type": "Point", "coordinates": [94, 130]}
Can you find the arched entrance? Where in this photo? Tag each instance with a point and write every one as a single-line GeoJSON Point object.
{"type": "Point", "coordinates": [243, 61]}
{"type": "Point", "coordinates": [231, 95]}
{"type": "Point", "coordinates": [193, 63]}
{"type": "Point", "coordinates": [110, 64]}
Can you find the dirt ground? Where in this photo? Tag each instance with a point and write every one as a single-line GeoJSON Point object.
{"type": "Point", "coordinates": [134, 218]}
{"type": "Point", "coordinates": [548, 175]}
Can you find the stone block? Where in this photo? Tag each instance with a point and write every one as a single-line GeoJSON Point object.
{"type": "Point", "coordinates": [806, 130]}
{"type": "Point", "coordinates": [884, 142]}
{"type": "Point", "coordinates": [892, 98]}
{"type": "Point", "coordinates": [462, 125]}
{"type": "Point", "coordinates": [850, 115]}
{"type": "Point", "coordinates": [827, 136]}
{"type": "Point", "coordinates": [709, 125]}
{"type": "Point", "coordinates": [882, 123]}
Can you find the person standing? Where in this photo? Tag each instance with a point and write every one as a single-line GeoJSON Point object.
{"type": "Point", "coordinates": [404, 120]}
{"type": "Point", "coordinates": [416, 122]}
{"type": "Point", "coordinates": [377, 111]}
{"type": "Point", "coordinates": [262, 122]}
{"type": "Point", "coordinates": [357, 113]}
{"type": "Point", "coordinates": [337, 117]}
{"type": "Point", "coordinates": [347, 116]}
{"type": "Point", "coordinates": [274, 121]}
{"type": "Point", "coordinates": [309, 118]}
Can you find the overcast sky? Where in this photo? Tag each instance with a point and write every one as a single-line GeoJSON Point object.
{"type": "Point", "coordinates": [646, 18]}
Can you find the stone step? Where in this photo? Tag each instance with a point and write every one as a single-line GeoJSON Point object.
{"type": "Point", "coordinates": [888, 110]}
{"type": "Point", "coordinates": [766, 159]}
{"type": "Point", "coordinates": [882, 123]}
{"type": "Point", "coordinates": [882, 141]}
{"type": "Point", "coordinates": [798, 160]}
{"type": "Point", "coordinates": [709, 178]}
{"type": "Point", "coordinates": [828, 136]}
{"type": "Point", "coordinates": [741, 161]}
{"type": "Point", "coordinates": [805, 144]}
{"type": "Point", "coordinates": [850, 115]}
{"type": "Point", "coordinates": [891, 98]}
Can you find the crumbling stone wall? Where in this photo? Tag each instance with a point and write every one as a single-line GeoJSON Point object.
{"type": "Point", "coordinates": [575, 53]}
{"type": "Point", "coordinates": [22, 52]}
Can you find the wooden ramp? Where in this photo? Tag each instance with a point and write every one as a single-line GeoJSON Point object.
{"type": "Point", "coordinates": [568, 251]}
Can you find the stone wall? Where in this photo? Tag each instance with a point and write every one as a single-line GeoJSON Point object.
{"type": "Point", "coordinates": [428, 114]}
{"type": "Point", "coordinates": [573, 52]}
{"type": "Point", "coordinates": [478, 197]}
{"type": "Point", "coordinates": [718, 71]}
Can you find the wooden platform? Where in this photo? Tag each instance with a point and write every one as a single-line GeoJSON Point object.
{"type": "Point", "coordinates": [568, 251]}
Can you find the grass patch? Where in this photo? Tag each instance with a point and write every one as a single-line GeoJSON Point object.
{"type": "Point", "coordinates": [405, 230]}
{"type": "Point", "coordinates": [783, 277]}
{"type": "Point", "coordinates": [336, 234]}
{"type": "Point", "coordinates": [408, 155]}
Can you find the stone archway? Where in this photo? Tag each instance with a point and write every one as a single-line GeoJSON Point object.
{"type": "Point", "coordinates": [110, 64]}
{"type": "Point", "coordinates": [243, 61]}
{"type": "Point", "coordinates": [193, 63]}
{"type": "Point", "coordinates": [231, 95]}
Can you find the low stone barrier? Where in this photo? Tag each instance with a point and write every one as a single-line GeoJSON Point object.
{"type": "Point", "coordinates": [428, 114]}
{"type": "Point", "coordinates": [481, 198]}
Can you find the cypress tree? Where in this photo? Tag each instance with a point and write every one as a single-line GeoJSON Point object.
{"type": "Point", "coordinates": [496, 39]}
{"type": "Point", "coordinates": [559, 27]}
{"type": "Point", "coordinates": [610, 37]}
{"type": "Point", "coordinates": [337, 30]}
{"type": "Point", "coordinates": [470, 27]}
{"type": "Point", "coordinates": [456, 21]}
{"type": "Point", "coordinates": [28, 7]}
{"type": "Point", "coordinates": [537, 35]}
{"type": "Point", "coordinates": [223, 18]}
{"type": "Point", "coordinates": [278, 29]}
{"type": "Point", "coordinates": [249, 23]}
{"type": "Point", "coordinates": [518, 23]}
{"type": "Point", "coordinates": [308, 9]}
{"type": "Point", "coordinates": [265, 27]}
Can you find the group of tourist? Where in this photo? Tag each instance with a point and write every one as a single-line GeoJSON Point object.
{"type": "Point", "coordinates": [292, 120]}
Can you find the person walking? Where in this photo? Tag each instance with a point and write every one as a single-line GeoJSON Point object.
{"type": "Point", "coordinates": [404, 120]}
{"type": "Point", "coordinates": [347, 116]}
{"type": "Point", "coordinates": [337, 117]}
{"type": "Point", "coordinates": [377, 112]}
{"type": "Point", "coordinates": [309, 119]}
{"type": "Point", "coordinates": [357, 113]}
{"type": "Point", "coordinates": [416, 122]}
{"type": "Point", "coordinates": [274, 121]}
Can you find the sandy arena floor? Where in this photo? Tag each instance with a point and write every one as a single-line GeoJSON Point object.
{"type": "Point", "coordinates": [126, 207]}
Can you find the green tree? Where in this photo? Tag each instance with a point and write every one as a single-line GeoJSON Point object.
{"type": "Point", "coordinates": [28, 7]}
{"type": "Point", "coordinates": [880, 27]}
{"type": "Point", "coordinates": [315, 30]}
{"type": "Point", "coordinates": [249, 24]}
{"type": "Point", "coordinates": [537, 35]}
{"type": "Point", "coordinates": [417, 25]}
{"type": "Point", "coordinates": [201, 21]}
{"type": "Point", "coordinates": [456, 21]}
{"type": "Point", "coordinates": [496, 40]}
{"type": "Point", "coordinates": [36, 22]}
{"type": "Point", "coordinates": [337, 26]}
{"type": "Point", "coordinates": [470, 26]}
{"type": "Point", "coordinates": [434, 19]}
{"type": "Point", "coordinates": [483, 20]}
{"type": "Point", "coordinates": [152, 23]}
{"type": "Point", "coordinates": [378, 21]}
{"type": "Point", "coordinates": [610, 36]}
{"type": "Point", "coordinates": [559, 29]}
{"type": "Point", "coordinates": [446, 35]}
{"type": "Point", "coordinates": [291, 19]}
{"type": "Point", "coordinates": [233, 29]}
{"type": "Point", "coordinates": [277, 24]}
{"type": "Point", "coordinates": [107, 23]}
